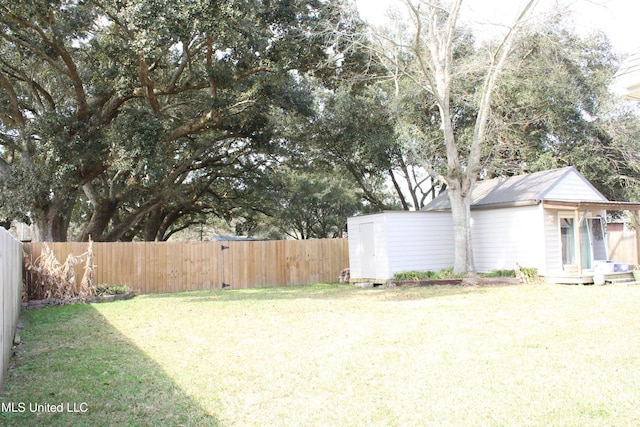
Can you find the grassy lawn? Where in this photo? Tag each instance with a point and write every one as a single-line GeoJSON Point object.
{"type": "Point", "coordinates": [336, 355]}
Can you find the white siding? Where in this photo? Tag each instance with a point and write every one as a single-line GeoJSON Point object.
{"type": "Point", "coordinates": [404, 241]}
{"type": "Point", "coordinates": [553, 244]}
{"type": "Point", "coordinates": [353, 237]}
{"type": "Point", "coordinates": [380, 250]}
{"type": "Point", "coordinates": [502, 237]}
{"type": "Point", "coordinates": [573, 187]}
{"type": "Point", "coordinates": [419, 241]}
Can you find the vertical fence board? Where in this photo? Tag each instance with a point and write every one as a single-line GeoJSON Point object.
{"type": "Point", "coordinates": [622, 246]}
{"type": "Point", "coordinates": [10, 294]}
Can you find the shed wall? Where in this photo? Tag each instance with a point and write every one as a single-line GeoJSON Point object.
{"type": "Point", "coordinates": [502, 237]}
{"type": "Point", "coordinates": [419, 241]}
{"type": "Point", "coordinates": [404, 241]}
{"type": "Point", "coordinates": [356, 246]}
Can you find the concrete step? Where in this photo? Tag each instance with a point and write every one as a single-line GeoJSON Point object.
{"type": "Point", "coordinates": [625, 283]}
{"type": "Point", "coordinates": [620, 281]}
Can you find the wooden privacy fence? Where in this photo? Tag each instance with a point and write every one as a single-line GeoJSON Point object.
{"type": "Point", "coordinates": [623, 246]}
{"type": "Point", "coordinates": [149, 267]}
{"type": "Point", "coordinates": [10, 293]}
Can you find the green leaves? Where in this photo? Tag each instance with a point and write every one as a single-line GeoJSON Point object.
{"type": "Point", "coordinates": [554, 108]}
{"type": "Point", "coordinates": [306, 204]}
{"type": "Point", "coordinates": [137, 116]}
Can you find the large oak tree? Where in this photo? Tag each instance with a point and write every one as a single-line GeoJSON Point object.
{"type": "Point", "coordinates": [124, 112]}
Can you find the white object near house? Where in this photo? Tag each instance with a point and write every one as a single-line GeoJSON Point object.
{"type": "Point", "coordinates": [390, 242]}
{"type": "Point", "coordinates": [552, 220]}
{"type": "Point", "coordinates": [627, 78]}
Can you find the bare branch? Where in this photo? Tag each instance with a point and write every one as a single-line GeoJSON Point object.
{"type": "Point", "coordinates": [148, 85]}
{"type": "Point", "coordinates": [195, 126]}
{"type": "Point", "coordinates": [495, 68]}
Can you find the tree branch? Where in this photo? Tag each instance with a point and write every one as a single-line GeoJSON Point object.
{"type": "Point", "coordinates": [17, 118]}
{"type": "Point", "coordinates": [148, 85]}
{"type": "Point", "coordinates": [194, 126]}
{"type": "Point", "coordinates": [496, 66]}
{"type": "Point", "coordinates": [71, 69]}
{"type": "Point", "coordinates": [132, 219]}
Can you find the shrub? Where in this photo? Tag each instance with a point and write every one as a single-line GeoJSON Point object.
{"type": "Point", "coordinates": [449, 274]}
{"type": "Point", "coordinates": [47, 277]}
{"type": "Point", "coordinates": [501, 273]}
{"type": "Point", "coordinates": [422, 275]}
{"type": "Point", "coordinates": [531, 273]}
{"type": "Point", "coordinates": [109, 289]}
{"type": "Point", "coordinates": [414, 275]}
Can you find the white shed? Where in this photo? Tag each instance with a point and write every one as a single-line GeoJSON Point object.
{"type": "Point", "coordinates": [390, 242]}
{"type": "Point", "coordinates": [553, 220]}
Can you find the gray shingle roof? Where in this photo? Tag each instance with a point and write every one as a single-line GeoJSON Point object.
{"type": "Point", "coordinates": [511, 191]}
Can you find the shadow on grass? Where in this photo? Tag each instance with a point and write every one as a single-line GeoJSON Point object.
{"type": "Point", "coordinates": [74, 368]}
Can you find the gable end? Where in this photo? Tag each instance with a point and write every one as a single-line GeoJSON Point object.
{"type": "Point", "coordinates": [573, 186]}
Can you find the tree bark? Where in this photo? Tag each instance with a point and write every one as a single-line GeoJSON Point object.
{"type": "Point", "coordinates": [153, 224]}
{"type": "Point", "coordinates": [461, 218]}
{"type": "Point", "coordinates": [52, 221]}
{"type": "Point", "coordinates": [103, 211]}
{"type": "Point", "coordinates": [131, 219]}
{"type": "Point", "coordinates": [396, 185]}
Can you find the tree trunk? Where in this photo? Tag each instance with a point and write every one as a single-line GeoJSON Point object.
{"type": "Point", "coordinates": [130, 220]}
{"type": "Point", "coordinates": [396, 185]}
{"type": "Point", "coordinates": [461, 217]}
{"type": "Point", "coordinates": [412, 189]}
{"type": "Point", "coordinates": [153, 225]}
{"type": "Point", "coordinates": [52, 222]}
{"type": "Point", "coordinates": [99, 222]}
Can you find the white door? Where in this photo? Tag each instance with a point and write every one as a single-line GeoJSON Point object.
{"type": "Point", "coordinates": [367, 250]}
{"type": "Point", "coordinates": [593, 244]}
{"type": "Point", "coordinates": [598, 240]}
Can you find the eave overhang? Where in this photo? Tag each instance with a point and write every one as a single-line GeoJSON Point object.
{"type": "Point", "coordinates": [590, 205]}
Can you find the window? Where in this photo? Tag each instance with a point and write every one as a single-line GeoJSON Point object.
{"type": "Point", "coordinates": [592, 241]}
{"type": "Point", "coordinates": [567, 235]}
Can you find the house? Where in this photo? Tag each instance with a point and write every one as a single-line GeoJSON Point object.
{"type": "Point", "coordinates": [554, 221]}
{"type": "Point", "coordinates": [627, 78]}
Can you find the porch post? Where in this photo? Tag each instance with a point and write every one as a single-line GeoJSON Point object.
{"type": "Point", "coordinates": [636, 215]}
{"type": "Point", "coordinates": [576, 220]}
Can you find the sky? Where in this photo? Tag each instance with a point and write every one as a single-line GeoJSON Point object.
{"type": "Point", "coordinates": [617, 18]}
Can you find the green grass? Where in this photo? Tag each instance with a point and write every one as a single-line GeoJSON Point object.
{"type": "Point", "coordinates": [338, 355]}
